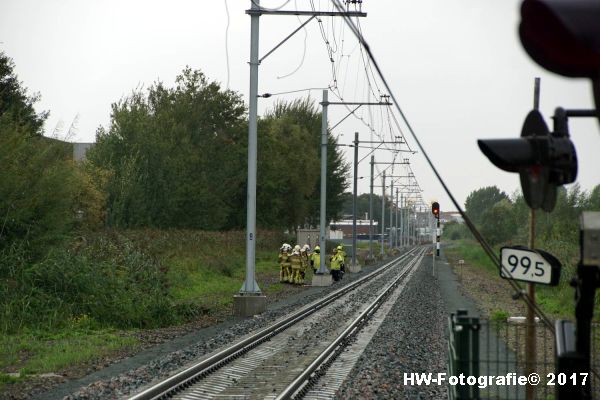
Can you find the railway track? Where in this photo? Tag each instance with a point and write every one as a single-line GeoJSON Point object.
{"type": "Point", "coordinates": [287, 359]}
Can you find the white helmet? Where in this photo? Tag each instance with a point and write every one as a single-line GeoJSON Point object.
{"type": "Point", "coordinates": [297, 247]}
{"type": "Point", "coordinates": [306, 248]}
{"type": "Point", "coordinates": [286, 247]}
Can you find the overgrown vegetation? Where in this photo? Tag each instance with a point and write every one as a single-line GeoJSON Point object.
{"type": "Point", "coordinates": [178, 158]}
{"type": "Point", "coordinates": [504, 220]}
{"type": "Point", "coordinates": [146, 233]}
{"type": "Point", "coordinates": [172, 158]}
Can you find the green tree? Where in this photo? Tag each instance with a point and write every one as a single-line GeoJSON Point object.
{"type": "Point", "coordinates": [500, 225]}
{"type": "Point", "coordinates": [39, 185]}
{"type": "Point", "coordinates": [481, 200]}
{"type": "Point", "coordinates": [362, 206]}
{"type": "Point", "coordinates": [594, 199]}
{"type": "Point", "coordinates": [289, 166]}
{"type": "Point", "coordinates": [17, 112]}
{"type": "Point", "coordinates": [173, 155]}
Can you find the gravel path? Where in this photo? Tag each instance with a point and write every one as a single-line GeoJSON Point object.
{"type": "Point", "coordinates": [411, 339]}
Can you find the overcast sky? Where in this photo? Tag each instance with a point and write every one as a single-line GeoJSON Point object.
{"type": "Point", "coordinates": [456, 67]}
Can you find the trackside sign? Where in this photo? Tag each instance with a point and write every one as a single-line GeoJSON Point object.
{"type": "Point", "coordinates": [524, 264]}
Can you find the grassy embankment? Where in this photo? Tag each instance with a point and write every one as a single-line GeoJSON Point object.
{"type": "Point", "coordinates": [557, 302]}
{"type": "Point", "coordinates": [88, 301]}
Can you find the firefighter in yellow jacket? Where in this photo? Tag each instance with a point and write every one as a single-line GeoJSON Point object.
{"type": "Point", "coordinates": [296, 261]}
{"type": "Point", "coordinates": [305, 257]}
{"type": "Point", "coordinates": [335, 264]}
{"type": "Point", "coordinates": [342, 254]}
{"type": "Point", "coordinates": [315, 259]}
{"type": "Point", "coordinates": [285, 271]}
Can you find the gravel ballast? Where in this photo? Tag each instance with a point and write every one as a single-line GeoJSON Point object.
{"type": "Point", "coordinates": [411, 339]}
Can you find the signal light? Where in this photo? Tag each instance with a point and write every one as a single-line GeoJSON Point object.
{"type": "Point", "coordinates": [563, 36]}
{"type": "Point", "coordinates": [435, 209]}
{"type": "Point", "coordinates": [543, 160]}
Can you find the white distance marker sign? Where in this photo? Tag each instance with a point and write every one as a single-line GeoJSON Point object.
{"type": "Point", "coordinates": [530, 266]}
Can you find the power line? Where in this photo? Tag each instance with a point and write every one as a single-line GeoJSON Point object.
{"type": "Point", "coordinates": [271, 9]}
{"type": "Point", "coordinates": [267, 95]}
{"type": "Point", "coordinates": [484, 244]}
{"type": "Point", "coordinates": [227, 43]}
{"type": "Point", "coordinates": [303, 51]}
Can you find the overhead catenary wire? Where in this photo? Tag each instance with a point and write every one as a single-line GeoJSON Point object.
{"type": "Point", "coordinates": [273, 8]}
{"type": "Point", "coordinates": [334, 39]}
{"type": "Point", "coordinates": [292, 91]}
{"type": "Point", "coordinates": [227, 44]}
{"type": "Point", "coordinates": [303, 51]}
{"type": "Point", "coordinates": [486, 247]}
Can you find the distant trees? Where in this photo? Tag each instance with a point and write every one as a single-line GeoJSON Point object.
{"type": "Point", "coordinates": [481, 200]}
{"type": "Point", "coordinates": [16, 105]}
{"type": "Point", "coordinates": [40, 187]}
{"type": "Point", "coordinates": [177, 157]}
{"type": "Point", "coordinates": [506, 220]}
{"type": "Point", "coordinates": [362, 205]}
{"type": "Point", "coordinates": [292, 167]}
{"type": "Point", "coordinates": [498, 222]}
{"type": "Point", "coordinates": [170, 155]}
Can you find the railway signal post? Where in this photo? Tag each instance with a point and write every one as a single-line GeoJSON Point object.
{"type": "Point", "coordinates": [435, 210]}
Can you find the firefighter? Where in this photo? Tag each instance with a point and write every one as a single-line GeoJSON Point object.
{"type": "Point", "coordinates": [315, 259]}
{"type": "Point", "coordinates": [335, 264]}
{"type": "Point", "coordinates": [304, 256]}
{"type": "Point", "coordinates": [296, 261]}
{"type": "Point", "coordinates": [342, 255]}
{"type": "Point", "coordinates": [284, 263]}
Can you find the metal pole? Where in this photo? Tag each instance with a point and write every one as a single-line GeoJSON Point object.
{"type": "Point", "coordinates": [416, 225]}
{"type": "Point", "coordinates": [354, 198]}
{"type": "Point", "coordinates": [530, 354]}
{"type": "Point", "coordinates": [382, 214]}
{"type": "Point", "coordinates": [250, 286]}
{"type": "Point", "coordinates": [407, 224]}
{"type": "Point", "coordinates": [391, 209]}
{"type": "Point", "coordinates": [322, 218]}
{"type": "Point", "coordinates": [431, 226]}
{"type": "Point", "coordinates": [401, 221]}
{"type": "Point", "coordinates": [438, 232]}
{"type": "Point", "coordinates": [396, 224]}
{"type": "Point", "coordinates": [371, 211]}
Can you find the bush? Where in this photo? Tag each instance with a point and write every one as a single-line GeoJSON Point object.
{"type": "Point", "coordinates": [109, 281]}
{"type": "Point", "coordinates": [455, 231]}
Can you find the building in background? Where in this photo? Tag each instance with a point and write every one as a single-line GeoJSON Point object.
{"type": "Point", "coordinates": [80, 150]}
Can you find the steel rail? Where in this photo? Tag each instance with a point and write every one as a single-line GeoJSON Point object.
{"type": "Point", "coordinates": [317, 368]}
{"type": "Point", "coordinates": [200, 370]}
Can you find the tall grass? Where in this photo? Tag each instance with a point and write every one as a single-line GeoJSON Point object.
{"type": "Point", "coordinates": [128, 279]}
{"type": "Point", "coordinates": [108, 280]}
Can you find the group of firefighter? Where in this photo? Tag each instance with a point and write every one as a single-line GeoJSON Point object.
{"type": "Point", "coordinates": [294, 262]}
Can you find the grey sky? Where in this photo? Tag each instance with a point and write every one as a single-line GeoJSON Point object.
{"type": "Point", "coordinates": [456, 67]}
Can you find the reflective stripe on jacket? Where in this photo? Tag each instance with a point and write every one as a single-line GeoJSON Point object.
{"type": "Point", "coordinates": [284, 259]}
{"type": "Point", "coordinates": [296, 261]}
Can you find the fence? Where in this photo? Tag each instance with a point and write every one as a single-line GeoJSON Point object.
{"type": "Point", "coordinates": [480, 347]}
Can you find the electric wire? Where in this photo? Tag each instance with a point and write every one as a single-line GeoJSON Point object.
{"type": "Point", "coordinates": [295, 91]}
{"type": "Point", "coordinates": [486, 247]}
{"type": "Point", "coordinates": [303, 52]}
{"type": "Point", "coordinates": [270, 9]}
{"type": "Point", "coordinates": [227, 44]}
{"type": "Point", "coordinates": [334, 53]}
